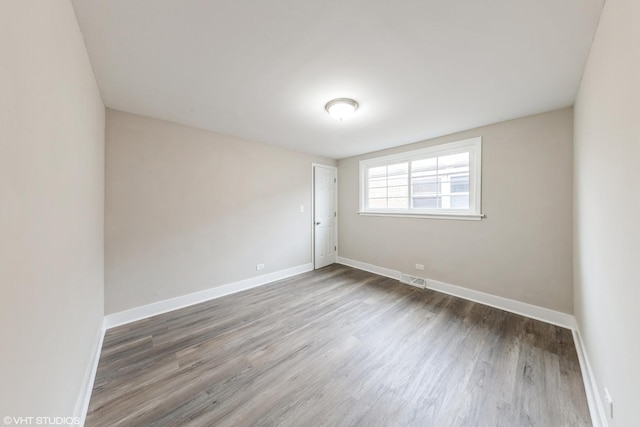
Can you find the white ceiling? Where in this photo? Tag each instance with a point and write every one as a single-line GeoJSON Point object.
{"type": "Point", "coordinates": [263, 70]}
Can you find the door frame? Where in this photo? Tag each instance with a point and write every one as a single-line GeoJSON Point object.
{"type": "Point", "coordinates": [313, 211]}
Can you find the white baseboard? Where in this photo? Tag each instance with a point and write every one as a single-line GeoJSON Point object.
{"type": "Point", "coordinates": [382, 271]}
{"type": "Point", "coordinates": [145, 311]}
{"type": "Point", "coordinates": [528, 310]}
{"type": "Point", "coordinates": [596, 405]}
{"type": "Point", "coordinates": [82, 403]}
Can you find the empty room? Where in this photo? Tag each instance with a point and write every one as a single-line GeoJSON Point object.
{"type": "Point", "coordinates": [320, 213]}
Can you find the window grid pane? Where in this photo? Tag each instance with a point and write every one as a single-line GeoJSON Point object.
{"type": "Point", "coordinates": [460, 184]}
{"type": "Point", "coordinates": [388, 186]}
{"type": "Point", "coordinates": [441, 182]}
{"type": "Point", "coordinates": [442, 178]}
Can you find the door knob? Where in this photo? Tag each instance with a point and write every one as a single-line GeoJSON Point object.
{"type": "Point", "coordinates": [318, 223]}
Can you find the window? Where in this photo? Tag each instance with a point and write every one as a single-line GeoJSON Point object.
{"type": "Point", "coordinates": [440, 181]}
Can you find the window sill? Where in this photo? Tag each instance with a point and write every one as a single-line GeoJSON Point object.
{"type": "Point", "coordinates": [448, 215]}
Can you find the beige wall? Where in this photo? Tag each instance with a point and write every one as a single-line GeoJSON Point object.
{"type": "Point", "coordinates": [607, 201]}
{"type": "Point", "coordinates": [188, 210]}
{"type": "Point", "coordinates": [51, 209]}
{"type": "Point", "coordinates": [521, 250]}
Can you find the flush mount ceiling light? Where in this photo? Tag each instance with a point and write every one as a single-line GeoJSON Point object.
{"type": "Point", "coordinates": [341, 108]}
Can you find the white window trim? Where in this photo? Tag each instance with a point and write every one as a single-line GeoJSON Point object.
{"type": "Point", "coordinates": [472, 145]}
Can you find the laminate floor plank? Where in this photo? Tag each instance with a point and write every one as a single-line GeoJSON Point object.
{"type": "Point", "coordinates": [338, 347]}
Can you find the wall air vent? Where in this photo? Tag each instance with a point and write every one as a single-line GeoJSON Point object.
{"type": "Point", "coordinates": [413, 281]}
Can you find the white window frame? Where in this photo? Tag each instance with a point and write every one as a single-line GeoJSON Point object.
{"type": "Point", "coordinates": [473, 146]}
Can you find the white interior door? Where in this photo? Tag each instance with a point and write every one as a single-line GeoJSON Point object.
{"type": "Point", "coordinates": [324, 216]}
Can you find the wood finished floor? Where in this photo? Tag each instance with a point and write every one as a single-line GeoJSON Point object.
{"type": "Point", "coordinates": [338, 347]}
